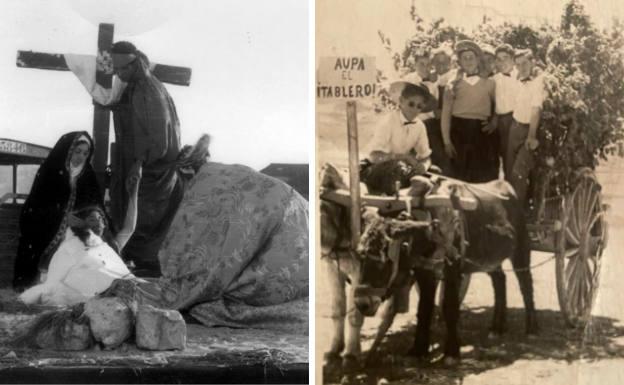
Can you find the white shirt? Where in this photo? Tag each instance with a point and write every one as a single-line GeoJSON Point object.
{"type": "Point", "coordinates": [393, 136]}
{"type": "Point", "coordinates": [445, 78]}
{"type": "Point", "coordinates": [529, 94]}
{"type": "Point", "coordinates": [506, 89]}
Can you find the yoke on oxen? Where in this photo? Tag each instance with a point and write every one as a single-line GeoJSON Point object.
{"type": "Point", "coordinates": [408, 209]}
{"type": "Point", "coordinates": [432, 228]}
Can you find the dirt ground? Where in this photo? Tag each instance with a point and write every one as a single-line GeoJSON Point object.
{"type": "Point", "coordinates": [558, 355]}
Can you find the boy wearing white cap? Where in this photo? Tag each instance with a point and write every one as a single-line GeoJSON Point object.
{"type": "Point", "coordinates": [527, 107]}
{"type": "Point", "coordinates": [506, 88]}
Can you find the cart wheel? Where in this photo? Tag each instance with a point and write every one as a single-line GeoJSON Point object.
{"type": "Point", "coordinates": [579, 249]}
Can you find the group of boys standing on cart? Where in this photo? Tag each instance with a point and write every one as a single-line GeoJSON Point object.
{"type": "Point", "coordinates": [464, 109]}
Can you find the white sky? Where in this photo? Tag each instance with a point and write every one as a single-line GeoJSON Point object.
{"type": "Point", "coordinates": [349, 27]}
{"type": "Point", "coordinates": [249, 87]}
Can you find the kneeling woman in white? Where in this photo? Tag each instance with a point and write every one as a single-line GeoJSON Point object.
{"type": "Point", "coordinates": [84, 264]}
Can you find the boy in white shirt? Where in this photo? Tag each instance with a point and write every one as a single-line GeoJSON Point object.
{"type": "Point", "coordinates": [400, 134]}
{"type": "Point", "coordinates": [506, 88]}
{"type": "Point", "coordinates": [527, 109]}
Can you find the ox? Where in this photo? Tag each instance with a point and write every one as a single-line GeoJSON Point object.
{"type": "Point", "coordinates": [395, 253]}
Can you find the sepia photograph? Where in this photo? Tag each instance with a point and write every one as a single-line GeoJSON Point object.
{"type": "Point", "coordinates": [154, 185]}
{"type": "Point", "coordinates": [469, 163]}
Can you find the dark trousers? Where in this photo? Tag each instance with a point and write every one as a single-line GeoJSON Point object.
{"type": "Point", "coordinates": [503, 127]}
{"type": "Point", "coordinates": [438, 156]}
{"type": "Point", "coordinates": [521, 160]}
{"type": "Point", "coordinates": [477, 158]}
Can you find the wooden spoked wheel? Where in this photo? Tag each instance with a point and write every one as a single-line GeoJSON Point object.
{"type": "Point", "coordinates": [579, 249]}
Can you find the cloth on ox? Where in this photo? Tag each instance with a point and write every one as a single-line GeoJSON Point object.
{"type": "Point", "coordinates": [54, 194]}
{"type": "Point", "coordinates": [147, 128]}
{"type": "Point", "coordinates": [236, 253]}
{"type": "Point", "coordinates": [491, 228]}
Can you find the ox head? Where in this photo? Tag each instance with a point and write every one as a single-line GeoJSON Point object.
{"type": "Point", "coordinates": [390, 248]}
{"type": "Point", "coordinates": [384, 257]}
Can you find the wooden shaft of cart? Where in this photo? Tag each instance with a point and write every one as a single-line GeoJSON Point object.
{"type": "Point", "coordinates": [354, 173]}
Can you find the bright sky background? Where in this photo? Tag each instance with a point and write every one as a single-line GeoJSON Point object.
{"type": "Point", "coordinates": [249, 87]}
{"type": "Point", "coordinates": [350, 26]}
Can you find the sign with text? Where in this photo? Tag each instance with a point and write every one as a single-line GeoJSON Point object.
{"type": "Point", "coordinates": [353, 77]}
{"type": "Point", "coordinates": [8, 146]}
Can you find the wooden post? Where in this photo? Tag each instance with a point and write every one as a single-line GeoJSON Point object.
{"type": "Point", "coordinates": [101, 115]}
{"type": "Point", "coordinates": [354, 173]}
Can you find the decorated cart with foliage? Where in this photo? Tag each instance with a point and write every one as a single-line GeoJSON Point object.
{"type": "Point", "coordinates": [582, 122]}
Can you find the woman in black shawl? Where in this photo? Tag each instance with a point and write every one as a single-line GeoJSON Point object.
{"type": "Point", "coordinates": [65, 180]}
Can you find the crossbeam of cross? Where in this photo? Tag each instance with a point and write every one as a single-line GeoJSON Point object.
{"type": "Point", "coordinates": [103, 77]}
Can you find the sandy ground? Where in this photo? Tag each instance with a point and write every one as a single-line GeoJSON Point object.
{"type": "Point", "coordinates": [558, 355]}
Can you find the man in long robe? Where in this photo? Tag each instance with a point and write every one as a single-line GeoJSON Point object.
{"type": "Point", "coordinates": [146, 128]}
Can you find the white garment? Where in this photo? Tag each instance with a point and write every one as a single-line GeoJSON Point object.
{"type": "Point", "coordinates": [445, 78]}
{"type": "Point", "coordinates": [472, 80]}
{"type": "Point", "coordinates": [393, 136]}
{"type": "Point", "coordinates": [529, 95]}
{"type": "Point", "coordinates": [505, 92]}
{"type": "Point", "coordinates": [74, 171]}
{"type": "Point", "coordinates": [78, 272]}
{"type": "Point", "coordinates": [84, 67]}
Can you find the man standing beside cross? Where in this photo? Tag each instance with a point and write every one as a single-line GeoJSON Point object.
{"type": "Point", "coordinates": [146, 129]}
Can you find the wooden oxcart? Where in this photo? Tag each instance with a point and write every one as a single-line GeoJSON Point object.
{"type": "Point", "coordinates": [571, 226]}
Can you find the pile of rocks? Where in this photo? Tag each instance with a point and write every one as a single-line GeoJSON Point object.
{"type": "Point", "coordinates": [111, 322]}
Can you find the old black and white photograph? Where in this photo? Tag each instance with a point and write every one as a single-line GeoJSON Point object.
{"type": "Point", "coordinates": [154, 191]}
{"type": "Point", "coordinates": [469, 173]}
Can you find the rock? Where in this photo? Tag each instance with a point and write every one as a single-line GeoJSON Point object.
{"type": "Point", "coordinates": [65, 333]}
{"type": "Point", "coordinates": [158, 329]}
{"type": "Point", "coordinates": [110, 319]}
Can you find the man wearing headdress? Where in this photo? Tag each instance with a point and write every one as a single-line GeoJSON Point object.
{"type": "Point", "coordinates": [147, 129]}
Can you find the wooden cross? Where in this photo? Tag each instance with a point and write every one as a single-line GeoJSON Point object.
{"type": "Point", "coordinates": [101, 114]}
